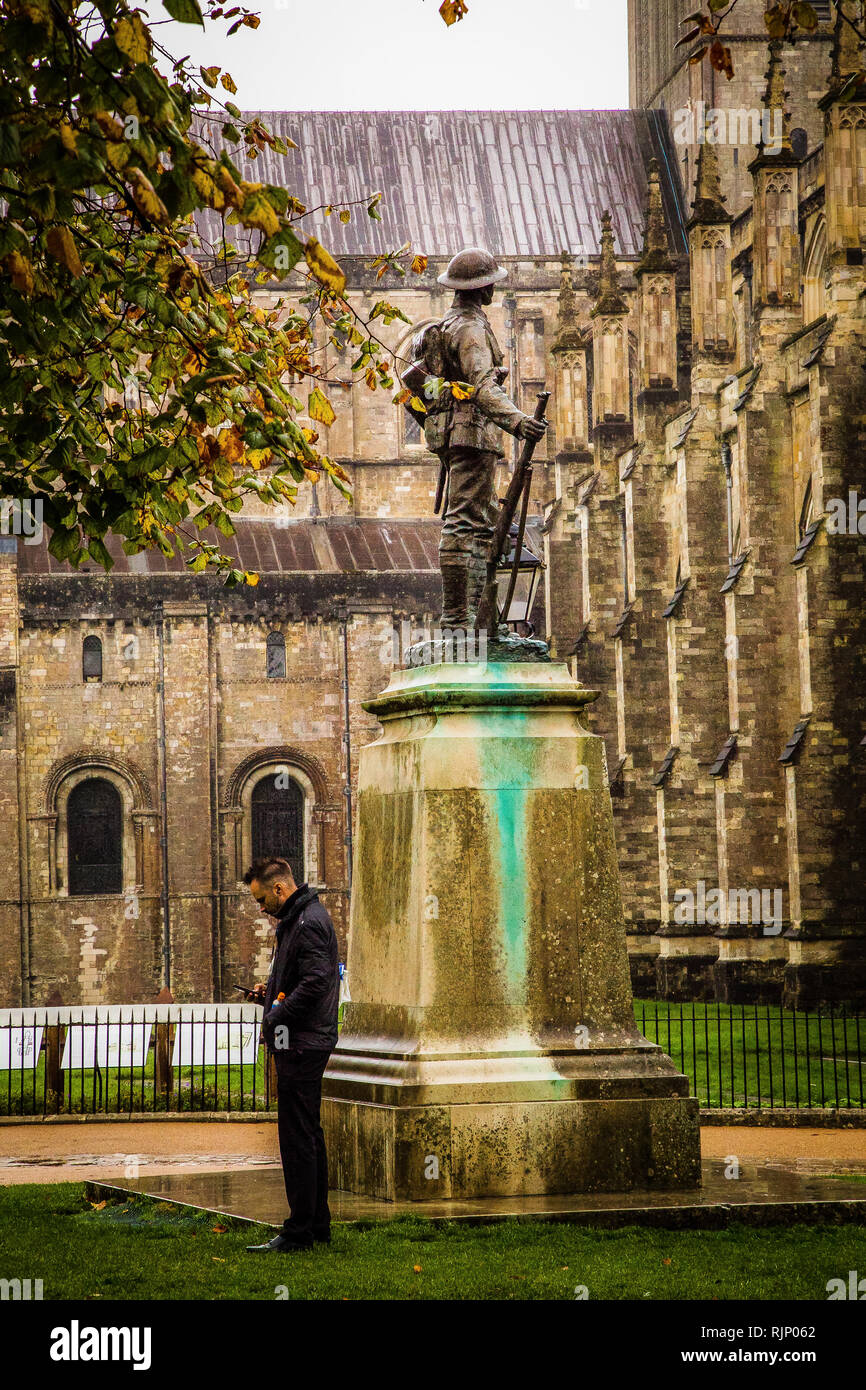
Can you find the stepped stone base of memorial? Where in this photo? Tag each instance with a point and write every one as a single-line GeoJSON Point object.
{"type": "Point", "coordinates": [490, 1048]}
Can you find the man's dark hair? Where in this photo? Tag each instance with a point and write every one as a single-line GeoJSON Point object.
{"type": "Point", "coordinates": [268, 870]}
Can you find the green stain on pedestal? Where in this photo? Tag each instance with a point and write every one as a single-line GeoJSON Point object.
{"type": "Point", "coordinates": [507, 772]}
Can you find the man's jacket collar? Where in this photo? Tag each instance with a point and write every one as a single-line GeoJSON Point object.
{"type": "Point", "coordinates": [294, 906]}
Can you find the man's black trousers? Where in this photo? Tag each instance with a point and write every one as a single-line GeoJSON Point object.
{"type": "Point", "coordinates": [302, 1144]}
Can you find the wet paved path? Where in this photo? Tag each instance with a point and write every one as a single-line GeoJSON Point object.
{"type": "Point", "coordinates": [78, 1152]}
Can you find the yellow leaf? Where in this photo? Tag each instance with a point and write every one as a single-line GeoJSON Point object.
{"type": "Point", "coordinates": [109, 126]}
{"type": "Point", "coordinates": [61, 246]}
{"type": "Point", "coordinates": [21, 272]}
{"type": "Point", "coordinates": [228, 82]}
{"type": "Point", "coordinates": [461, 391]}
{"type": "Point", "coordinates": [324, 267]}
{"type": "Point", "coordinates": [452, 10]}
{"type": "Point", "coordinates": [419, 265]}
{"type": "Point", "coordinates": [133, 38]}
{"type": "Point", "coordinates": [345, 215]}
{"type": "Point", "coordinates": [207, 190]}
{"type": "Point", "coordinates": [320, 408]}
{"type": "Point", "coordinates": [221, 1230]}
{"type": "Point", "coordinates": [258, 458]}
{"type": "Point", "coordinates": [251, 578]}
{"type": "Point", "coordinates": [417, 404]}
{"type": "Point", "coordinates": [416, 1269]}
{"type": "Point", "coordinates": [145, 196]}
{"type": "Point", "coordinates": [210, 75]}
{"type": "Point", "coordinates": [370, 378]}
{"type": "Point", "coordinates": [231, 445]}
{"type": "Point", "coordinates": [98, 1206]}
{"type": "Point", "coordinates": [69, 137]}
{"type": "Point", "coordinates": [118, 153]}
{"type": "Point", "coordinates": [256, 211]}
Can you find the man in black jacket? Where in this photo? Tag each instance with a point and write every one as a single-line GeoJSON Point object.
{"type": "Point", "coordinates": [299, 1026]}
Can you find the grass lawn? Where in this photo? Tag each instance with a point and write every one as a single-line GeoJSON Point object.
{"type": "Point", "coordinates": [745, 1055]}
{"type": "Point", "coordinates": [142, 1249]}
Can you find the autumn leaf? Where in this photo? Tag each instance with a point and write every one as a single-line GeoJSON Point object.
{"type": "Point", "coordinates": [256, 210]}
{"type": "Point", "coordinates": [231, 445]}
{"type": "Point", "coordinates": [324, 267]}
{"type": "Point", "coordinates": [217, 1259]}
{"type": "Point", "coordinates": [60, 244]}
{"type": "Point", "coordinates": [461, 390]}
{"type": "Point", "coordinates": [210, 75]}
{"type": "Point", "coordinates": [21, 272]}
{"type": "Point", "coordinates": [145, 196]}
{"type": "Point", "coordinates": [98, 1206]}
{"type": "Point", "coordinates": [320, 408]}
{"type": "Point", "coordinates": [805, 16]}
{"type": "Point", "coordinates": [133, 38]}
{"type": "Point", "coordinates": [720, 57]}
{"type": "Point", "coordinates": [345, 215]}
{"type": "Point", "coordinates": [416, 1269]}
{"type": "Point", "coordinates": [402, 396]}
{"type": "Point", "coordinates": [228, 82]}
{"type": "Point", "coordinates": [109, 125]}
{"type": "Point", "coordinates": [419, 265]}
{"type": "Point", "coordinates": [418, 405]}
{"type": "Point", "coordinates": [68, 137]}
{"type": "Point", "coordinates": [251, 578]}
{"type": "Point", "coordinates": [452, 10]}
{"type": "Point", "coordinates": [221, 1230]}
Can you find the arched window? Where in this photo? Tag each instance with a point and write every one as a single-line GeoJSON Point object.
{"type": "Point", "coordinates": [94, 822]}
{"type": "Point", "coordinates": [815, 274]}
{"type": "Point", "coordinates": [276, 647]}
{"type": "Point", "coordinates": [278, 820]}
{"type": "Point", "coordinates": [91, 659]}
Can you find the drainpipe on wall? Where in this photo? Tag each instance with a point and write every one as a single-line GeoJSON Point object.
{"type": "Point", "coordinates": [727, 464]}
{"type": "Point", "coordinates": [213, 761]}
{"type": "Point", "coordinates": [23, 876]}
{"type": "Point", "coordinates": [163, 799]}
{"type": "Point", "coordinates": [347, 745]}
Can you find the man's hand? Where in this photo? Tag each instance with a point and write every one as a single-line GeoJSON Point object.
{"type": "Point", "coordinates": [256, 996]}
{"type": "Point", "coordinates": [531, 429]}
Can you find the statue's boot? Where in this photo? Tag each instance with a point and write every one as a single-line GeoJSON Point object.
{"type": "Point", "coordinates": [455, 590]}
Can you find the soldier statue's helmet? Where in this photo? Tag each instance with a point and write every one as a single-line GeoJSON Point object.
{"type": "Point", "coordinates": [472, 269]}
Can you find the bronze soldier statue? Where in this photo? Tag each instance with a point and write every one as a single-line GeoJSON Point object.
{"type": "Point", "coordinates": [467, 434]}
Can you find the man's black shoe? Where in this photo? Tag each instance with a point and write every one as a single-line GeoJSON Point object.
{"type": "Point", "coordinates": [281, 1244]}
{"type": "Point", "coordinates": [322, 1240]}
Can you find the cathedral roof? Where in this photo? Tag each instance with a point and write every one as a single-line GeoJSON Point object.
{"type": "Point", "coordinates": [518, 182]}
{"type": "Point", "coordinates": [335, 544]}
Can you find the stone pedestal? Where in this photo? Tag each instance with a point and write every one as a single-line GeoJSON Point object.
{"type": "Point", "coordinates": [490, 1048]}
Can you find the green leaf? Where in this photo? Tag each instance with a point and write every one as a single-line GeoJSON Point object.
{"type": "Point", "coordinates": [184, 11]}
{"type": "Point", "coordinates": [282, 251]}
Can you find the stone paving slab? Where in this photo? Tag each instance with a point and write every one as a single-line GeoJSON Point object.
{"type": "Point", "coordinates": [764, 1194]}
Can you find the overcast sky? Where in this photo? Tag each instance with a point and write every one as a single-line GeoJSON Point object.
{"type": "Point", "coordinates": [310, 55]}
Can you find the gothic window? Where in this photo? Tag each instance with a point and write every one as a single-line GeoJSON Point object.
{"type": "Point", "coordinates": [413, 435]}
{"type": "Point", "coordinates": [815, 274]}
{"type": "Point", "coordinates": [276, 650]}
{"type": "Point", "coordinates": [278, 820]}
{"type": "Point", "coordinates": [94, 821]}
{"type": "Point", "coordinates": [806, 511]}
{"type": "Point", "coordinates": [91, 659]}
